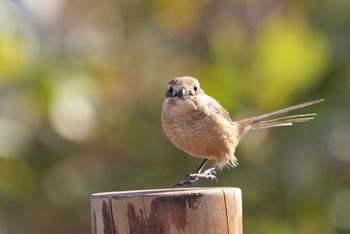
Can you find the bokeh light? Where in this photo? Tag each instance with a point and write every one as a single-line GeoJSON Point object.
{"type": "Point", "coordinates": [13, 138]}
{"type": "Point", "coordinates": [72, 113]}
{"type": "Point", "coordinates": [339, 143]}
{"type": "Point", "coordinates": [339, 210]}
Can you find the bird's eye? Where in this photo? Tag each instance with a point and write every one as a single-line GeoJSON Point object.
{"type": "Point", "coordinates": [195, 88]}
{"type": "Point", "coordinates": [170, 89]}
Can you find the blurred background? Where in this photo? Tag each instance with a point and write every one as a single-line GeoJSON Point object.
{"type": "Point", "coordinates": [81, 90]}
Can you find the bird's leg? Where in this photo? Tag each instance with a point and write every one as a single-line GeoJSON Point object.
{"type": "Point", "coordinates": [208, 174]}
{"type": "Point", "coordinates": [200, 168]}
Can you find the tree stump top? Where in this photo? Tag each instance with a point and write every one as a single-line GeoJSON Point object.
{"type": "Point", "coordinates": [169, 191]}
{"type": "Point", "coordinates": [181, 210]}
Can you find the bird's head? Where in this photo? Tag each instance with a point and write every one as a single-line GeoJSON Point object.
{"type": "Point", "coordinates": [183, 87]}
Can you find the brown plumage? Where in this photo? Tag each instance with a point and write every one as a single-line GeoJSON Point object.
{"type": "Point", "coordinates": [197, 124]}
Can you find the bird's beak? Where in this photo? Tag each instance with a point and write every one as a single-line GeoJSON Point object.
{"type": "Point", "coordinates": [182, 93]}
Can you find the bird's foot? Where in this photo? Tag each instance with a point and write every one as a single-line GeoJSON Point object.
{"type": "Point", "coordinates": [209, 174]}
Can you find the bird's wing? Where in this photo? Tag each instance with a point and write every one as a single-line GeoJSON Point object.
{"type": "Point", "coordinates": [215, 107]}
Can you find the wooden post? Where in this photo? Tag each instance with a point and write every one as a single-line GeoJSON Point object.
{"type": "Point", "coordinates": [182, 210]}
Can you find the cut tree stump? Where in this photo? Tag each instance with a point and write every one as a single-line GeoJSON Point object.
{"type": "Point", "coordinates": [183, 210]}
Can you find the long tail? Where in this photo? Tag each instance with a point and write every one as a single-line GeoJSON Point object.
{"type": "Point", "coordinates": [266, 120]}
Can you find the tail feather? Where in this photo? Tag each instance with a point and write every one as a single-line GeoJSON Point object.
{"type": "Point", "coordinates": [283, 121]}
{"type": "Point", "coordinates": [267, 120]}
{"type": "Point", "coordinates": [285, 110]}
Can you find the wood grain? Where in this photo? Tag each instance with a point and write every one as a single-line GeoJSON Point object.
{"type": "Point", "coordinates": [188, 210]}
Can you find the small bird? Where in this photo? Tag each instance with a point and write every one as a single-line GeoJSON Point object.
{"type": "Point", "coordinates": [197, 124]}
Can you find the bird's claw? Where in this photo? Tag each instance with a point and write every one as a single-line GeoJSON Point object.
{"type": "Point", "coordinates": [186, 182]}
{"type": "Point", "coordinates": [209, 174]}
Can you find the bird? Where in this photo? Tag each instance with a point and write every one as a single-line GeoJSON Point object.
{"type": "Point", "coordinates": [197, 124]}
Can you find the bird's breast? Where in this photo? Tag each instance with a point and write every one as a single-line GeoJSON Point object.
{"type": "Point", "coordinates": [197, 130]}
